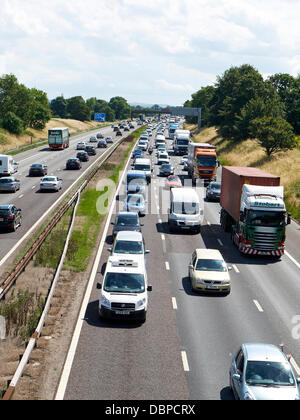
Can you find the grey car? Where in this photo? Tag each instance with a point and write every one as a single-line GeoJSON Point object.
{"type": "Point", "coordinates": [213, 191]}
{"type": "Point", "coordinates": [261, 371]}
{"type": "Point", "coordinates": [9, 184]}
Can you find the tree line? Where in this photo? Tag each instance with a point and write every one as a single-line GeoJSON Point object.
{"type": "Point", "coordinates": [242, 105]}
{"type": "Point", "coordinates": [22, 108]}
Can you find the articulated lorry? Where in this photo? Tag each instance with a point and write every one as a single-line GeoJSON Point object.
{"type": "Point", "coordinates": [253, 210]}
{"type": "Point", "coordinates": [181, 142]}
{"type": "Point", "coordinates": [171, 130]}
{"type": "Point", "coordinates": [202, 162]}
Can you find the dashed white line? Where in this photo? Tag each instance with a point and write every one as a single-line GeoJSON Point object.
{"type": "Point", "coordinates": [174, 303]}
{"type": "Point", "coordinates": [235, 268]}
{"type": "Point", "coordinates": [258, 305]}
{"type": "Point", "coordinates": [167, 265]}
{"type": "Point", "coordinates": [20, 196]}
{"type": "Point", "coordinates": [185, 361]}
{"type": "Point", "coordinates": [220, 242]}
{"type": "Point", "coordinates": [295, 366]}
{"type": "Point", "coordinates": [33, 187]}
{"type": "Point", "coordinates": [163, 238]}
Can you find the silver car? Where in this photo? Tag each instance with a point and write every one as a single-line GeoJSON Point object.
{"type": "Point", "coordinates": [262, 372]}
{"type": "Point", "coordinates": [10, 184]}
{"type": "Point", "coordinates": [51, 183]}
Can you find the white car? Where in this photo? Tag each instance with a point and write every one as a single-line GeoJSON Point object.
{"type": "Point", "coordinates": [124, 292]}
{"type": "Point", "coordinates": [128, 243]}
{"type": "Point", "coordinates": [81, 145]}
{"type": "Point", "coordinates": [52, 183]}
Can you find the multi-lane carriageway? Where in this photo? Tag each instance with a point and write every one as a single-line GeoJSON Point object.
{"type": "Point", "coordinates": [184, 349]}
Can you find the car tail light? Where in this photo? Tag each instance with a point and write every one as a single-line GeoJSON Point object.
{"type": "Point", "coordinates": [11, 216]}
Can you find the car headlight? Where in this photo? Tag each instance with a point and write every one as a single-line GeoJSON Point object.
{"type": "Point", "coordinates": [199, 281]}
{"type": "Point", "coordinates": [104, 301]}
{"type": "Point", "coordinates": [141, 303]}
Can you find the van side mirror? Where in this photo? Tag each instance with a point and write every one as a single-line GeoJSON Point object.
{"type": "Point", "coordinates": [288, 219]}
{"type": "Point", "coordinates": [99, 286]}
{"type": "Point", "coordinates": [149, 288]}
{"type": "Point", "coordinates": [242, 216]}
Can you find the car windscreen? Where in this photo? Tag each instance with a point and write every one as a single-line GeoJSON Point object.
{"type": "Point", "coordinates": [124, 283]}
{"type": "Point", "coordinates": [266, 218]}
{"type": "Point", "coordinates": [128, 247]}
{"type": "Point", "coordinates": [6, 181]}
{"type": "Point", "coordinates": [136, 180]}
{"type": "Point", "coordinates": [125, 220]}
{"type": "Point", "coordinates": [49, 180]}
{"type": "Point", "coordinates": [267, 373]}
{"type": "Point", "coordinates": [141, 167]}
{"type": "Point", "coordinates": [210, 265]}
{"type": "Point", "coordinates": [204, 161]}
{"type": "Point", "coordinates": [215, 186]}
{"type": "Point", "coordinates": [36, 165]}
{"type": "Point", "coordinates": [185, 208]}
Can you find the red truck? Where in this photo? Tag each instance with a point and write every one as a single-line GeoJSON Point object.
{"type": "Point", "coordinates": [253, 210]}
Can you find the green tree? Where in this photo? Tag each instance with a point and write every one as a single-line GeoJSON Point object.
{"type": "Point", "coordinates": [274, 134]}
{"type": "Point", "coordinates": [59, 107]}
{"type": "Point", "coordinates": [12, 123]}
{"type": "Point", "coordinates": [40, 112]}
{"type": "Point", "coordinates": [120, 107]}
{"type": "Point", "coordinates": [201, 99]}
{"type": "Point", "coordinates": [78, 109]}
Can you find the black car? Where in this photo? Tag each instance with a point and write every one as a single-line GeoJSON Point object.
{"type": "Point", "coordinates": [128, 221]}
{"type": "Point", "coordinates": [37, 169]}
{"type": "Point", "coordinates": [119, 133]}
{"type": "Point", "coordinates": [73, 163]}
{"type": "Point", "coordinates": [99, 136]}
{"type": "Point", "coordinates": [102, 144]}
{"type": "Point", "coordinates": [10, 217]}
{"type": "Point", "coordinates": [91, 151]}
{"type": "Point", "coordinates": [166, 169]}
{"type": "Point", "coordinates": [83, 156]}
{"type": "Point", "coordinates": [213, 191]}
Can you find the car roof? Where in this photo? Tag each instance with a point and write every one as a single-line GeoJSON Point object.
{"type": "Point", "coordinates": [142, 160]}
{"type": "Point", "coordinates": [142, 173]}
{"type": "Point", "coordinates": [6, 206]}
{"type": "Point", "coordinates": [211, 254]}
{"type": "Point", "coordinates": [263, 352]}
{"type": "Point", "coordinates": [127, 213]}
{"type": "Point", "coordinates": [184, 194]}
{"type": "Point", "coordinates": [131, 264]}
{"type": "Point", "coordinates": [129, 236]}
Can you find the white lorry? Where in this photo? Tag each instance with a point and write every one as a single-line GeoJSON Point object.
{"type": "Point", "coordinates": [8, 165]}
{"type": "Point", "coordinates": [181, 142]}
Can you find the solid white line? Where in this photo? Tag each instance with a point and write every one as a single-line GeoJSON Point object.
{"type": "Point", "coordinates": [258, 305]}
{"type": "Point", "coordinates": [33, 187]}
{"type": "Point", "coordinates": [185, 361]}
{"type": "Point", "coordinates": [167, 266]}
{"type": "Point", "coordinates": [292, 259]}
{"type": "Point", "coordinates": [235, 268]}
{"type": "Point", "coordinates": [295, 366]}
{"type": "Point", "coordinates": [71, 353]}
{"type": "Point", "coordinates": [220, 242]}
{"type": "Point", "coordinates": [174, 303]}
{"type": "Point", "coordinates": [163, 238]}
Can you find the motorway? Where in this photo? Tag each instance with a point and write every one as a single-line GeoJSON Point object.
{"type": "Point", "coordinates": [29, 198]}
{"type": "Point", "coordinates": [184, 349]}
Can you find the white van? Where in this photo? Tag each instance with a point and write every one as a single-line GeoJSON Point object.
{"type": "Point", "coordinates": [185, 211]}
{"type": "Point", "coordinates": [8, 165]}
{"type": "Point", "coordinates": [143, 165]}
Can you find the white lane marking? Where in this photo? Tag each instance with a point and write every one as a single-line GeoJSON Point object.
{"type": "Point", "coordinates": [235, 268]}
{"type": "Point", "coordinates": [33, 187]}
{"type": "Point", "coordinates": [220, 242]}
{"type": "Point", "coordinates": [159, 221]}
{"type": "Point", "coordinates": [174, 303]}
{"type": "Point", "coordinates": [256, 303]}
{"type": "Point", "coordinates": [20, 196]}
{"type": "Point", "coordinates": [208, 223]}
{"type": "Point", "coordinates": [185, 361]}
{"type": "Point", "coordinates": [292, 259]}
{"type": "Point", "coordinates": [167, 265]}
{"type": "Point", "coordinates": [295, 366]}
{"type": "Point", "coordinates": [163, 238]}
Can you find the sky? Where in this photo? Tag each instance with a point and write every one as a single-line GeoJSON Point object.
{"type": "Point", "coordinates": [147, 51]}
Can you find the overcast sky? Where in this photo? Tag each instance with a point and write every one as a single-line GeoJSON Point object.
{"type": "Point", "coordinates": [149, 51]}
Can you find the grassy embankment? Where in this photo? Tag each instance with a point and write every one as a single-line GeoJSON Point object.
{"type": "Point", "coordinates": [88, 221]}
{"type": "Point", "coordinates": [11, 142]}
{"type": "Point", "coordinates": [250, 153]}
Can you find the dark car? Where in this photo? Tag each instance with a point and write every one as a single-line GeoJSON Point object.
{"type": "Point", "coordinates": [37, 169]}
{"type": "Point", "coordinates": [102, 144]}
{"type": "Point", "coordinates": [83, 156]}
{"type": "Point", "coordinates": [126, 128]}
{"type": "Point", "coordinates": [213, 191]}
{"type": "Point", "coordinates": [126, 221]}
{"type": "Point", "coordinates": [137, 153]}
{"type": "Point", "coordinates": [166, 169]}
{"type": "Point", "coordinates": [93, 139]}
{"type": "Point", "coordinates": [73, 163]}
{"type": "Point", "coordinates": [91, 151]}
{"type": "Point", "coordinates": [119, 133]}
{"type": "Point", "coordinates": [10, 217]}
{"type": "Point", "coordinates": [99, 136]}
{"type": "Point", "coordinates": [116, 128]}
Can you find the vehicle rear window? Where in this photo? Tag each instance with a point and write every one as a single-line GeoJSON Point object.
{"type": "Point", "coordinates": [4, 212]}
{"type": "Point", "coordinates": [5, 181]}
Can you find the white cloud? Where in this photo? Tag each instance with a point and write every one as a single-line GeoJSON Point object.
{"type": "Point", "coordinates": [163, 49]}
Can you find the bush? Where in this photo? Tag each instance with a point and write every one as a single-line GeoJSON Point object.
{"type": "Point", "coordinates": [12, 123]}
